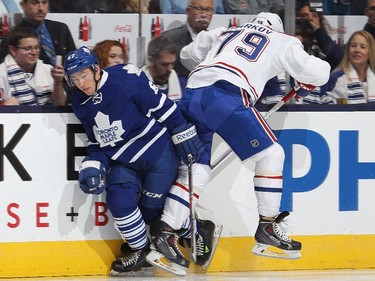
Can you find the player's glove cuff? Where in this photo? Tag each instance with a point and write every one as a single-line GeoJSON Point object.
{"type": "Point", "coordinates": [92, 176]}
{"type": "Point", "coordinates": [301, 89]}
{"type": "Point", "coordinates": [187, 142]}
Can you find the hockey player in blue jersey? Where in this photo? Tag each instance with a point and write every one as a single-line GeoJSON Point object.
{"type": "Point", "coordinates": [129, 125]}
{"type": "Point", "coordinates": [229, 70]}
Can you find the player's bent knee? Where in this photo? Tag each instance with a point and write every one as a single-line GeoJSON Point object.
{"type": "Point", "coordinates": [270, 161]}
{"type": "Point", "coordinates": [151, 200]}
{"type": "Point", "coordinates": [122, 199]}
{"type": "Point", "coordinates": [201, 175]}
{"type": "Point", "coordinates": [120, 175]}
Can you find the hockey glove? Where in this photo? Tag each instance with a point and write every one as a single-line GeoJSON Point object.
{"type": "Point", "coordinates": [301, 89]}
{"type": "Point", "coordinates": [187, 142]}
{"type": "Point", "coordinates": [92, 175]}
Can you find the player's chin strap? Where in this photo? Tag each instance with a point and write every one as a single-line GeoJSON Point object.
{"type": "Point", "coordinates": [94, 69]}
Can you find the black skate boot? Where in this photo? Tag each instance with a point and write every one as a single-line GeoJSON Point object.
{"type": "Point", "coordinates": [206, 242]}
{"type": "Point", "coordinates": [271, 233]}
{"type": "Point", "coordinates": [166, 254]}
{"type": "Point", "coordinates": [133, 261]}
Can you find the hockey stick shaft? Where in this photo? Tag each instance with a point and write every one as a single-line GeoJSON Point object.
{"type": "Point", "coordinates": [192, 213]}
{"type": "Point", "coordinates": [275, 108]}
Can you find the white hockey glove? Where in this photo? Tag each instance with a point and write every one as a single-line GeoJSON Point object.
{"type": "Point", "coordinates": [187, 142]}
{"type": "Point", "coordinates": [92, 176]}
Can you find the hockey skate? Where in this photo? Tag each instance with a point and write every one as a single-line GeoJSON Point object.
{"type": "Point", "coordinates": [206, 242]}
{"type": "Point", "coordinates": [166, 254]}
{"type": "Point", "coordinates": [271, 233]}
{"type": "Point", "coordinates": [133, 263]}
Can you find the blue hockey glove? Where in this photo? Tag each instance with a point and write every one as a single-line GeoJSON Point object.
{"type": "Point", "coordinates": [92, 175]}
{"type": "Point", "coordinates": [187, 142]}
{"type": "Point", "coordinates": [301, 89]}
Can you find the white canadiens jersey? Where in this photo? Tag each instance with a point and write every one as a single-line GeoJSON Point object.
{"type": "Point", "coordinates": [248, 56]}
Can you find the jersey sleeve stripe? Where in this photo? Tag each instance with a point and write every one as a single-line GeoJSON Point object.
{"type": "Point", "coordinates": [160, 105]}
{"type": "Point", "coordinates": [167, 113]}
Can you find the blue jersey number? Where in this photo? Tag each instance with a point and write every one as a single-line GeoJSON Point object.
{"type": "Point", "coordinates": [254, 44]}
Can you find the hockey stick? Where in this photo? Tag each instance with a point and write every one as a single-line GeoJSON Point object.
{"type": "Point", "coordinates": [193, 249]}
{"type": "Point", "coordinates": [276, 107]}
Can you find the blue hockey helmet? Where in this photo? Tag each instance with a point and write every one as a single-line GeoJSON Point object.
{"type": "Point", "coordinates": [78, 60]}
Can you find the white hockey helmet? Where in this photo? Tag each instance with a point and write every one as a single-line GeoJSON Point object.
{"type": "Point", "coordinates": [270, 20]}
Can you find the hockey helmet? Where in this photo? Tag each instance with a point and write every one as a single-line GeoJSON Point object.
{"type": "Point", "coordinates": [270, 20]}
{"type": "Point", "coordinates": [78, 60]}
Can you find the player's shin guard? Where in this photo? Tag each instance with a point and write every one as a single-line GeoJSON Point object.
{"type": "Point", "coordinates": [268, 180]}
{"type": "Point", "coordinates": [133, 229]}
{"type": "Point", "coordinates": [270, 233]}
{"type": "Point", "coordinates": [177, 208]}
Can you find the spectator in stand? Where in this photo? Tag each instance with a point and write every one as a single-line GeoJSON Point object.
{"type": "Point", "coordinates": [154, 7]}
{"type": "Point", "coordinates": [274, 90]}
{"type": "Point", "coordinates": [161, 55]}
{"type": "Point", "coordinates": [180, 6]}
{"type": "Point", "coordinates": [370, 13]}
{"type": "Point", "coordinates": [252, 6]}
{"type": "Point", "coordinates": [69, 6]}
{"type": "Point", "coordinates": [55, 37]}
{"type": "Point", "coordinates": [353, 82]}
{"type": "Point", "coordinates": [138, 6]}
{"type": "Point", "coordinates": [199, 14]}
{"type": "Point", "coordinates": [110, 52]}
{"type": "Point", "coordinates": [316, 40]}
{"type": "Point", "coordinates": [338, 7]}
{"type": "Point", "coordinates": [89, 6]}
{"type": "Point", "coordinates": [26, 80]}
{"type": "Point", "coordinates": [357, 7]}
{"type": "Point", "coordinates": [238, 6]}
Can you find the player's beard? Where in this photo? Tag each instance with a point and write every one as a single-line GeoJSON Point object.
{"type": "Point", "coordinates": [161, 80]}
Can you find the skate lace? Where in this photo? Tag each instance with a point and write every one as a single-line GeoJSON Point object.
{"type": "Point", "coordinates": [280, 230]}
{"type": "Point", "coordinates": [131, 259]}
{"type": "Point", "coordinates": [199, 246]}
{"type": "Point", "coordinates": [175, 244]}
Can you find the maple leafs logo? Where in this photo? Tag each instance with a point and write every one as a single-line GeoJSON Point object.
{"type": "Point", "coordinates": [132, 69]}
{"type": "Point", "coordinates": [105, 132]}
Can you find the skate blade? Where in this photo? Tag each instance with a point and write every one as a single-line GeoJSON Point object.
{"type": "Point", "coordinates": [266, 251]}
{"type": "Point", "coordinates": [142, 272]}
{"type": "Point", "coordinates": [157, 259]}
{"type": "Point", "coordinates": [215, 242]}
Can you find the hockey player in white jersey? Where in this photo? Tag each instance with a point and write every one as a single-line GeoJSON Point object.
{"type": "Point", "coordinates": [229, 70]}
{"type": "Point", "coordinates": [130, 125]}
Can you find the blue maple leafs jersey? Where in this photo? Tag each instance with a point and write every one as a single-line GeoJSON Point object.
{"type": "Point", "coordinates": [128, 119]}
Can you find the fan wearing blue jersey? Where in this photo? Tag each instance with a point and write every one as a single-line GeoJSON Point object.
{"type": "Point", "coordinates": [230, 67]}
{"type": "Point", "coordinates": [136, 140]}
